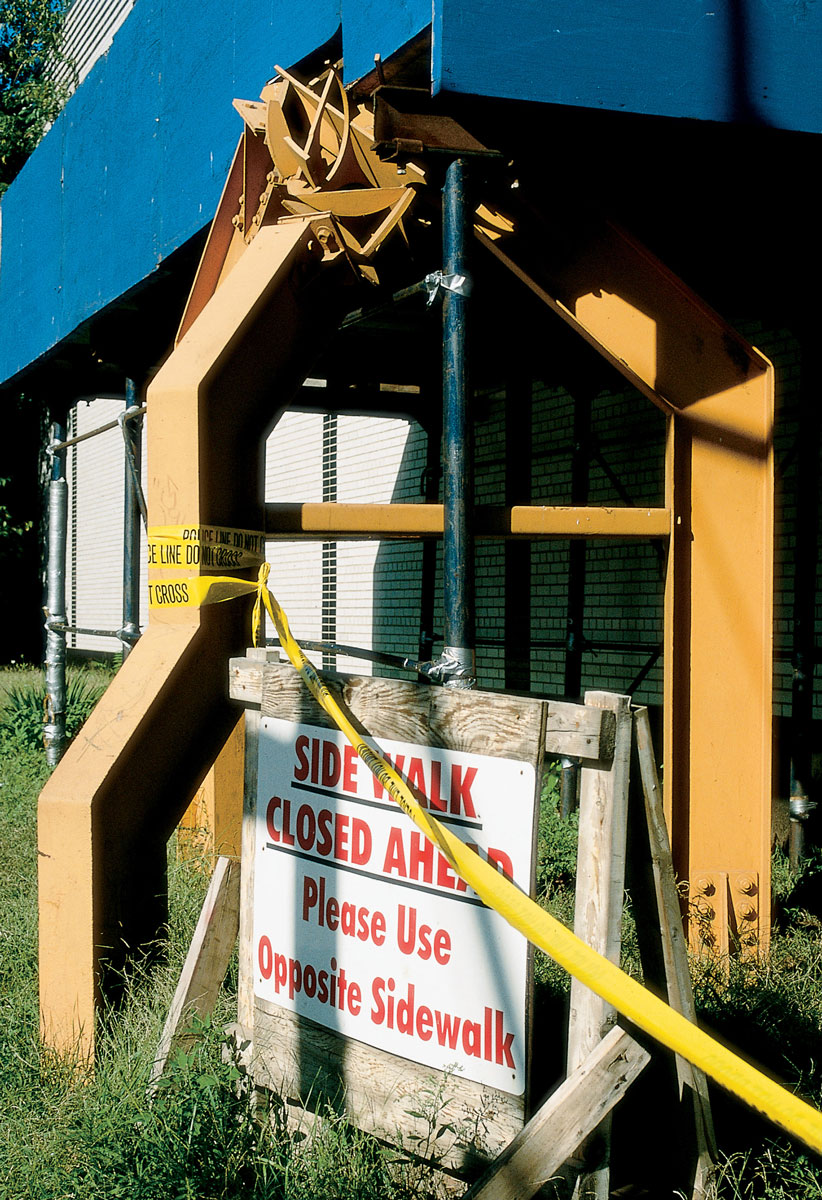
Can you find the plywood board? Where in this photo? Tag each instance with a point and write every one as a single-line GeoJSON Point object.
{"type": "Point", "coordinates": [311, 1063]}
{"type": "Point", "coordinates": [426, 714]}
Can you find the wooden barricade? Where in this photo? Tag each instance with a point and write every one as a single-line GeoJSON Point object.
{"type": "Point", "coordinates": [299, 860]}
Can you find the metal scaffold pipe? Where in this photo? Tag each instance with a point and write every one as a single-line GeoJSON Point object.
{"type": "Point", "coordinates": [457, 441]}
{"type": "Point", "coordinates": [54, 728]}
{"type": "Point", "coordinates": [131, 522]}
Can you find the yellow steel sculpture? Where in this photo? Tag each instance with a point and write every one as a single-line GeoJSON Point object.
{"type": "Point", "coordinates": [307, 205]}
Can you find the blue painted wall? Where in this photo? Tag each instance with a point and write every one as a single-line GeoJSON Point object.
{"type": "Point", "coordinates": [716, 60]}
{"type": "Point", "coordinates": [378, 27]}
{"type": "Point", "coordinates": [135, 164]}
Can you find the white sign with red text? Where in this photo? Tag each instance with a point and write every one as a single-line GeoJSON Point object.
{"type": "Point", "coordinates": [359, 922]}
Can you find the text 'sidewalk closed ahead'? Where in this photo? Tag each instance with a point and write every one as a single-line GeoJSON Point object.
{"type": "Point", "coordinates": [359, 921]}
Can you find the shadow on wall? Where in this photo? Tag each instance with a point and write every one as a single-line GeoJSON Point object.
{"type": "Point", "coordinates": [522, 590]}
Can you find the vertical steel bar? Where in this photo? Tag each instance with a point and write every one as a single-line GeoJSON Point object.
{"type": "Point", "coordinates": [458, 475]}
{"type": "Point", "coordinates": [430, 490]}
{"type": "Point", "coordinates": [517, 629]}
{"type": "Point", "coordinates": [132, 446]}
{"type": "Point", "coordinates": [806, 560]}
{"type": "Point", "coordinates": [577, 551]}
{"type": "Point", "coordinates": [568, 786]}
{"type": "Point", "coordinates": [328, 631]}
{"type": "Point", "coordinates": [54, 727]}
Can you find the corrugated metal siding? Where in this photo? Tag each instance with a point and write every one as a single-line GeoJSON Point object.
{"type": "Point", "coordinates": [88, 32]}
{"type": "Point", "coordinates": [369, 456]}
{"type": "Point", "coordinates": [293, 473]}
{"type": "Point", "coordinates": [94, 559]}
{"type": "Point", "coordinates": [330, 586]}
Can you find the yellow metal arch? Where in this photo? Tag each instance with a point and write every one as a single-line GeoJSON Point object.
{"type": "Point", "coordinates": [718, 393]}
{"type": "Point", "coordinates": [263, 304]}
{"type": "Point", "coordinates": [108, 810]}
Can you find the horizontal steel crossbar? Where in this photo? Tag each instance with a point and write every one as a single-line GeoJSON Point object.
{"type": "Point", "coordinates": [334, 521]}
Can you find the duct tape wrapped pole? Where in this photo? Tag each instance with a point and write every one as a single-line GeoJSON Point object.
{"type": "Point", "coordinates": [54, 728]}
{"type": "Point", "coordinates": [458, 655]}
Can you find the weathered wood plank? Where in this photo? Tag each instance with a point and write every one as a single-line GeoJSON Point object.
{"type": "Point", "coordinates": [245, 981]}
{"type": "Point", "coordinates": [486, 723]}
{"type": "Point", "coordinates": [283, 694]}
{"type": "Point", "coordinates": [563, 1122]}
{"type": "Point", "coordinates": [245, 675]}
{"type": "Point", "coordinates": [309, 1065]}
{"type": "Point", "coordinates": [478, 721]}
{"type": "Point", "coordinates": [603, 827]}
{"type": "Point", "coordinates": [692, 1081]}
{"type": "Point", "coordinates": [395, 708]}
{"type": "Point", "coordinates": [206, 962]}
{"type": "Point", "coordinates": [579, 731]}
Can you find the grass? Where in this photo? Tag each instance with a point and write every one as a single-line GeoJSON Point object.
{"type": "Point", "coordinates": [23, 703]}
{"type": "Point", "coordinates": [68, 1135]}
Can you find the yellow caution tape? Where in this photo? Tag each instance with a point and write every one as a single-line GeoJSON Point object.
{"type": "Point", "coordinates": [603, 977]}
{"type": "Point", "coordinates": [215, 547]}
{"type": "Point", "coordinates": [630, 998]}
{"type": "Point", "coordinates": [193, 591]}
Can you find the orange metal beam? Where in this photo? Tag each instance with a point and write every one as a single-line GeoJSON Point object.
{"type": "Point", "coordinates": [718, 393]}
{"type": "Point", "coordinates": [382, 521]}
{"type": "Point", "coordinates": [108, 810]}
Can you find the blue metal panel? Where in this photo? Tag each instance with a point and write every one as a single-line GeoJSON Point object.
{"type": "Point", "coordinates": [378, 27]}
{"type": "Point", "coordinates": [135, 164]}
{"type": "Point", "coordinates": [718, 60]}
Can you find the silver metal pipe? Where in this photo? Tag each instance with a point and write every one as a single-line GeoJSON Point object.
{"type": "Point", "coordinates": [61, 444]}
{"type": "Point", "coordinates": [133, 507]}
{"type": "Point", "coordinates": [121, 634]}
{"type": "Point", "coordinates": [54, 728]}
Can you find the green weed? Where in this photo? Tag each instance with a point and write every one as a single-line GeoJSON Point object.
{"type": "Point", "coordinates": [776, 1172]}
{"type": "Point", "coordinates": [22, 708]}
{"type": "Point", "coordinates": [66, 1134]}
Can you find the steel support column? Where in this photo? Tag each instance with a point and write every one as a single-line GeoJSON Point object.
{"type": "Point", "coordinates": [132, 445]}
{"type": "Point", "coordinates": [457, 441]}
{"type": "Point", "coordinates": [518, 469]}
{"type": "Point", "coordinates": [577, 551]}
{"type": "Point", "coordinates": [54, 729]}
{"type": "Point", "coordinates": [718, 393]}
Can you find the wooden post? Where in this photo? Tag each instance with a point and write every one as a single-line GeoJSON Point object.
{"type": "Point", "coordinates": [603, 825]}
{"type": "Point", "coordinates": [578, 1105]}
{"type": "Point", "coordinates": [675, 953]}
{"type": "Point", "coordinates": [206, 962]}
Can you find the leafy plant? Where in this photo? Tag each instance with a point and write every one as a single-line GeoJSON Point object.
{"type": "Point", "coordinates": [197, 1138]}
{"type": "Point", "coordinates": [23, 709]}
{"type": "Point", "coordinates": [558, 836]}
{"type": "Point", "coordinates": [776, 1172]}
{"type": "Point", "coordinates": [30, 96]}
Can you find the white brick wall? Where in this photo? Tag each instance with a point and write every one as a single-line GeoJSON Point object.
{"type": "Point", "coordinates": [377, 585]}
